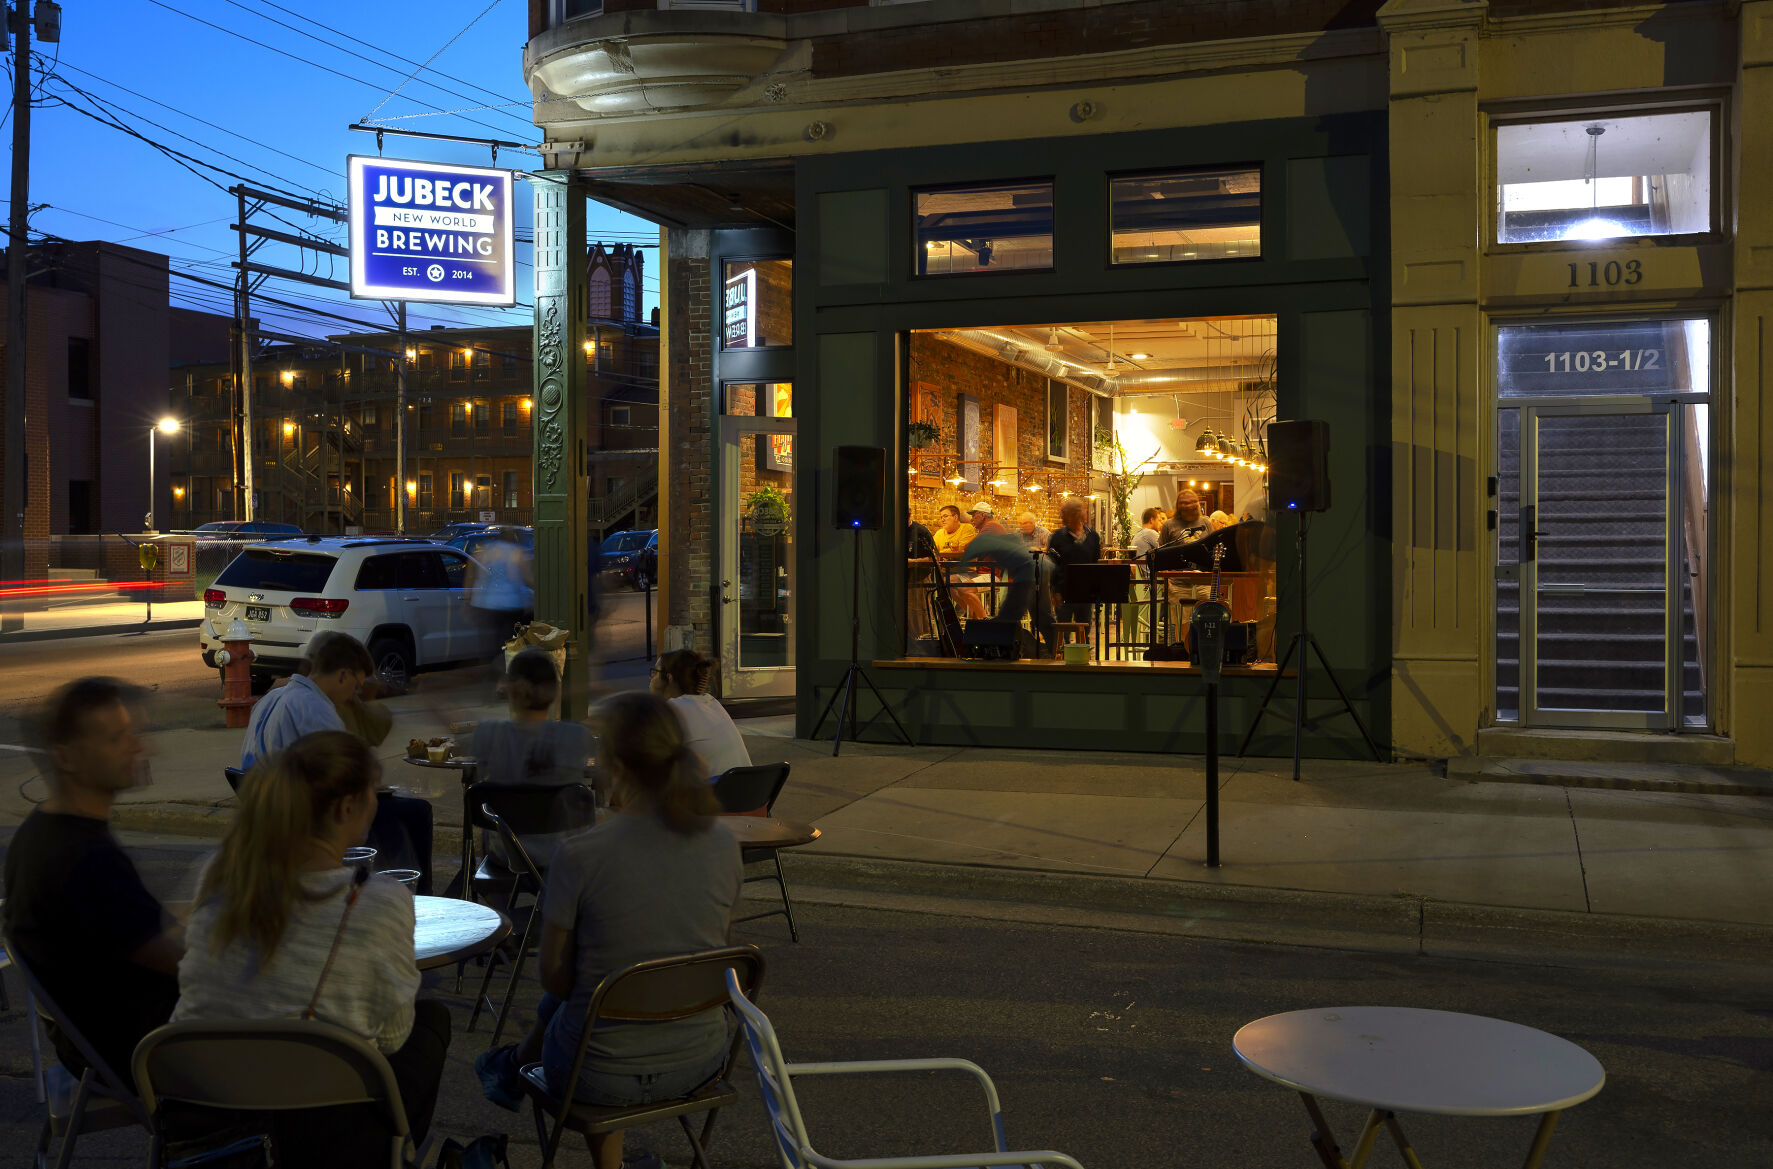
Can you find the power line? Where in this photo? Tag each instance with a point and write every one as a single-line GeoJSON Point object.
{"type": "Point", "coordinates": [206, 122]}
{"type": "Point", "coordinates": [361, 57]}
{"type": "Point", "coordinates": [378, 48]}
{"type": "Point", "coordinates": [294, 57]}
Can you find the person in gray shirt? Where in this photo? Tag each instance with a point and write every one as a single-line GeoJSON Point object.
{"type": "Point", "coordinates": [528, 747]}
{"type": "Point", "coordinates": [660, 877]}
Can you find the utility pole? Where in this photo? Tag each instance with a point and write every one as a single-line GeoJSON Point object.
{"type": "Point", "coordinates": [400, 426]}
{"type": "Point", "coordinates": [12, 523]}
{"type": "Point", "coordinates": [243, 502]}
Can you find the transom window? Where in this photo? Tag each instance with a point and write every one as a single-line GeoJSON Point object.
{"type": "Point", "coordinates": [996, 228]}
{"type": "Point", "coordinates": [1605, 176]}
{"type": "Point", "coordinates": [1187, 215]}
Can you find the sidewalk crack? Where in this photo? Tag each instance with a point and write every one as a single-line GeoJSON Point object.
{"type": "Point", "coordinates": [1581, 865]}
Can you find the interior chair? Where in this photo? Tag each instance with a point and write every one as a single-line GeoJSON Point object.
{"type": "Point", "coordinates": [655, 991]}
{"type": "Point", "coordinates": [528, 881]}
{"type": "Point", "coordinates": [752, 791]}
{"type": "Point", "coordinates": [775, 1081]}
{"type": "Point", "coordinates": [98, 1099]}
{"type": "Point", "coordinates": [266, 1065]}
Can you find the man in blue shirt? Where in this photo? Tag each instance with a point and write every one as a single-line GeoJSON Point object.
{"type": "Point", "coordinates": [337, 666]}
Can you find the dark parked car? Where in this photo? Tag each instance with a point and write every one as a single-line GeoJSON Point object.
{"type": "Point", "coordinates": [631, 557]}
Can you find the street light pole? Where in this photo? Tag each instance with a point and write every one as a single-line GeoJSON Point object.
{"type": "Point", "coordinates": [12, 493]}
{"type": "Point", "coordinates": [165, 426]}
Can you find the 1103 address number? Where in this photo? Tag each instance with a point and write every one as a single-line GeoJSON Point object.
{"type": "Point", "coordinates": [1608, 275]}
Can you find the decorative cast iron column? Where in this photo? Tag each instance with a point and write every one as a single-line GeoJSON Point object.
{"type": "Point", "coordinates": [559, 422]}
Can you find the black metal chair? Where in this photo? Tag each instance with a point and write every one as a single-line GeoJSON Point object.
{"type": "Point", "coordinates": [655, 991]}
{"type": "Point", "coordinates": [532, 810]}
{"type": "Point", "coordinates": [235, 775]}
{"type": "Point", "coordinates": [401, 835]}
{"type": "Point", "coordinates": [528, 881]}
{"type": "Point", "coordinates": [100, 1098]}
{"type": "Point", "coordinates": [752, 791]}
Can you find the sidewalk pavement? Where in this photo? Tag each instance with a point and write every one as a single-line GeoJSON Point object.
{"type": "Point", "coordinates": [1357, 855]}
{"type": "Point", "coordinates": [89, 619]}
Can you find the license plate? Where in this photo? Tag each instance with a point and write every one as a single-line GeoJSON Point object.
{"type": "Point", "coordinates": [258, 612]}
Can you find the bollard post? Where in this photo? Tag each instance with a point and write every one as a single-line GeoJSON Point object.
{"type": "Point", "coordinates": [646, 600]}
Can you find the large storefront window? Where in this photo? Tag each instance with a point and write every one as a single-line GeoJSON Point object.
{"type": "Point", "coordinates": [1601, 177]}
{"type": "Point", "coordinates": [1079, 483]}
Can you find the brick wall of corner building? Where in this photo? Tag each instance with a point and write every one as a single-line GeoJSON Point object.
{"type": "Point", "coordinates": [1077, 31]}
{"type": "Point", "coordinates": [955, 371]}
{"type": "Point", "coordinates": [688, 394]}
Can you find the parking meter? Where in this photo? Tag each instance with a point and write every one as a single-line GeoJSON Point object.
{"type": "Point", "coordinates": [1209, 627]}
{"type": "Point", "coordinates": [148, 554]}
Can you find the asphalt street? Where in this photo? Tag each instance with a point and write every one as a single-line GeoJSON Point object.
{"type": "Point", "coordinates": [169, 664]}
{"type": "Point", "coordinates": [1114, 1046]}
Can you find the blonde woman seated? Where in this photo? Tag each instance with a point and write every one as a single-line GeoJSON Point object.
{"type": "Point", "coordinates": [276, 901]}
{"type": "Point", "coordinates": [681, 678]}
{"type": "Point", "coordinates": [659, 878]}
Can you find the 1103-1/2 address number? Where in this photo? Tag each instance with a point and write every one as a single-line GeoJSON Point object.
{"type": "Point", "coordinates": [1608, 275]}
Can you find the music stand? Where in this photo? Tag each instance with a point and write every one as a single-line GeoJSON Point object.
{"type": "Point", "coordinates": [847, 687]}
{"type": "Point", "coordinates": [1103, 582]}
{"type": "Point", "coordinates": [1302, 640]}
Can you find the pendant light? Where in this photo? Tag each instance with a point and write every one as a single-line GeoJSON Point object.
{"type": "Point", "coordinates": [1596, 226]}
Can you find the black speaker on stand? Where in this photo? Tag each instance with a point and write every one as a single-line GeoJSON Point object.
{"type": "Point", "coordinates": [858, 502]}
{"type": "Point", "coordinates": [1299, 481]}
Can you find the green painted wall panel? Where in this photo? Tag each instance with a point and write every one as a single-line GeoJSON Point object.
{"type": "Point", "coordinates": [853, 235]}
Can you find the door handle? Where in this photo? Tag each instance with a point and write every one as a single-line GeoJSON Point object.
{"type": "Point", "coordinates": [1530, 533]}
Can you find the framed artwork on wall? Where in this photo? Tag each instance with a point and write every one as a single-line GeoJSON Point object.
{"type": "Point", "coordinates": [1004, 450]}
{"type": "Point", "coordinates": [1058, 422]}
{"type": "Point", "coordinates": [970, 462]}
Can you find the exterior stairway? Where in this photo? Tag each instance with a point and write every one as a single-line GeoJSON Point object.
{"type": "Point", "coordinates": [1603, 509]}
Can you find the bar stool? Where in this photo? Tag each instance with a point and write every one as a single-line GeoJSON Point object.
{"type": "Point", "coordinates": [1069, 631]}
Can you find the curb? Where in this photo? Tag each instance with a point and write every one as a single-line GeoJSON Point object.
{"type": "Point", "coordinates": [1719, 782]}
{"type": "Point", "coordinates": [98, 630]}
{"type": "Point", "coordinates": [1403, 923]}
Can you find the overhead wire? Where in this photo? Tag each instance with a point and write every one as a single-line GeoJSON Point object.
{"type": "Point", "coordinates": [446, 44]}
{"type": "Point", "coordinates": [370, 60]}
{"type": "Point", "coordinates": [304, 60]}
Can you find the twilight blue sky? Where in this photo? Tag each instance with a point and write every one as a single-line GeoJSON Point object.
{"type": "Point", "coordinates": [265, 89]}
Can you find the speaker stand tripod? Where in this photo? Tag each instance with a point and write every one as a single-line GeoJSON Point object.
{"type": "Point", "coordinates": [847, 687]}
{"type": "Point", "coordinates": [1303, 641]}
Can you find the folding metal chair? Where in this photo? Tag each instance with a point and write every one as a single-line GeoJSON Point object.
{"type": "Point", "coordinates": [31, 1016]}
{"type": "Point", "coordinates": [270, 1065]}
{"type": "Point", "coordinates": [752, 791]}
{"type": "Point", "coordinates": [775, 1080]}
{"type": "Point", "coordinates": [235, 776]}
{"type": "Point", "coordinates": [528, 880]}
{"type": "Point", "coordinates": [655, 991]}
{"type": "Point", "coordinates": [98, 1099]}
{"type": "Point", "coordinates": [532, 809]}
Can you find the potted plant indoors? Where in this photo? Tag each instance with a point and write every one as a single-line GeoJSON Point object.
{"type": "Point", "coordinates": [921, 434]}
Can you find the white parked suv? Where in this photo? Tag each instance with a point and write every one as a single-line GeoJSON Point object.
{"type": "Point", "coordinates": [406, 600]}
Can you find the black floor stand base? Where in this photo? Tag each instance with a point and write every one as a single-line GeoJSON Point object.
{"type": "Point", "coordinates": [847, 688]}
{"type": "Point", "coordinates": [1299, 701]}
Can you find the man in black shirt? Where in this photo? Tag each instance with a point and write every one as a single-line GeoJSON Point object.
{"type": "Point", "coordinates": [76, 910]}
{"type": "Point", "coordinates": [1187, 524]}
{"type": "Point", "coordinates": [1073, 543]}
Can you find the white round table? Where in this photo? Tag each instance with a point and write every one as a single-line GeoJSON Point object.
{"type": "Point", "coordinates": [1407, 1059]}
{"type": "Point", "coordinates": [447, 930]}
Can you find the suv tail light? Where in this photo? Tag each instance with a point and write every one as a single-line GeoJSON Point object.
{"type": "Point", "coordinates": [214, 598]}
{"type": "Point", "coordinates": [319, 606]}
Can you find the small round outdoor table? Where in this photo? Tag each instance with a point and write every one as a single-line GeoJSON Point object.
{"type": "Point", "coordinates": [769, 832]}
{"type": "Point", "coordinates": [470, 769]}
{"type": "Point", "coordinates": [1404, 1059]}
{"type": "Point", "coordinates": [448, 930]}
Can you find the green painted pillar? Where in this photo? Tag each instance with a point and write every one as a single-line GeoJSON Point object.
{"type": "Point", "coordinates": [559, 419]}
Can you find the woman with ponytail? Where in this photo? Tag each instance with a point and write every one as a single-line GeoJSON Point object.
{"type": "Point", "coordinates": [659, 878]}
{"type": "Point", "coordinates": [681, 678]}
{"type": "Point", "coordinates": [282, 929]}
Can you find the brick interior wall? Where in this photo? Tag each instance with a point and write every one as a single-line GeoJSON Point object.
{"type": "Point", "coordinates": [955, 371]}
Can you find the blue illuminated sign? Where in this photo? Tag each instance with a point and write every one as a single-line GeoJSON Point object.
{"type": "Point", "coordinates": [431, 231]}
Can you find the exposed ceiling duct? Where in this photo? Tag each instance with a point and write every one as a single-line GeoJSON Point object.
{"type": "Point", "coordinates": [1014, 350]}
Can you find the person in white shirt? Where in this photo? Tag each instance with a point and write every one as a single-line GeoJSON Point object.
{"type": "Point", "coordinates": [271, 907]}
{"type": "Point", "coordinates": [681, 677]}
{"type": "Point", "coordinates": [337, 666]}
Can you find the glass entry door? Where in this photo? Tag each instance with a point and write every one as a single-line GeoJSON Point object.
{"type": "Point", "coordinates": [756, 588]}
{"type": "Point", "coordinates": [1597, 536]}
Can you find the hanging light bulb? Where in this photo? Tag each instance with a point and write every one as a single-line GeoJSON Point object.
{"type": "Point", "coordinates": [1053, 344]}
{"type": "Point", "coordinates": [1596, 226]}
